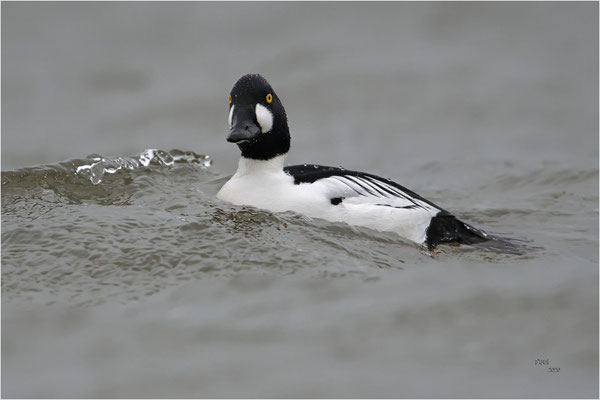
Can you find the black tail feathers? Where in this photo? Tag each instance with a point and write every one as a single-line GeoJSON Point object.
{"type": "Point", "coordinates": [448, 229]}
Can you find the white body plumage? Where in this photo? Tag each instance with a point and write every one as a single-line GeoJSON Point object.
{"type": "Point", "coordinates": [264, 184]}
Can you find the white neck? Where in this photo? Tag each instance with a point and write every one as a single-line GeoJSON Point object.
{"type": "Point", "coordinates": [248, 166]}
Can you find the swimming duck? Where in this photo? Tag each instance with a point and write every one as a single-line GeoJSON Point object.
{"type": "Point", "coordinates": [258, 126]}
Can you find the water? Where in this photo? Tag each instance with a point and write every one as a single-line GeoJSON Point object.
{"type": "Point", "coordinates": [124, 276]}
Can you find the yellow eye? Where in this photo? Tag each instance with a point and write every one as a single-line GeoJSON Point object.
{"type": "Point", "coordinates": [229, 99]}
{"type": "Point", "coordinates": [269, 98]}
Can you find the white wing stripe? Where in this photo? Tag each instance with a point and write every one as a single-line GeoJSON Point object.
{"type": "Point", "coordinates": [399, 193]}
{"type": "Point", "coordinates": [365, 188]}
{"type": "Point", "coordinates": [350, 184]}
{"type": "Point", "coordinates": [388, 188]}
{"type": "Point", "coordinates": [364, 184]}
{"type": "Point", "coordinates": [378, 188]}
{"type": "Point", "coordinates": [373, 191]}
{"type": "Point", "coordinates": [391, 190]}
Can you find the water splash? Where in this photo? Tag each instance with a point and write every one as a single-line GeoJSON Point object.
{"type": "Point", "coordinates": [109, 165]}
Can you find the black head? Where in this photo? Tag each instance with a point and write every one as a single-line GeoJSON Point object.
{"type": "Point", "coordinates": [257, 120]}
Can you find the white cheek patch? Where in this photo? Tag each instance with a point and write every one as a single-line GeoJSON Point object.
{"type": "Point", "coordinates": [231, 116]}
{"type": "Point", "coordinates": [264, 118]}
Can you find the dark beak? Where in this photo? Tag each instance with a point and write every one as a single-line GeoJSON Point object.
{"type": "Point", "coordinates": [243, 126]}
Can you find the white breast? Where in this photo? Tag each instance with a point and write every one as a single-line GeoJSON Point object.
{"type": "Point", "coordinates": [261, 184]}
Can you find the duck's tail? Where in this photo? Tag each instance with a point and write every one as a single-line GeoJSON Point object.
{"type": "Point", "coordinates": [446, 228]}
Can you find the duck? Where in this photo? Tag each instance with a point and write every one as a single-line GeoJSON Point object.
{"type": "Point", "coordinates": [258, 125]}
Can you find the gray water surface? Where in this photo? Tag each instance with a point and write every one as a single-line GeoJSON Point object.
{"type": "Point", "coordinates": [138, 282]}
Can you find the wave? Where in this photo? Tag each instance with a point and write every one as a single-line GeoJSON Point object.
{"type": "Point", "coordinates": [95, 167]}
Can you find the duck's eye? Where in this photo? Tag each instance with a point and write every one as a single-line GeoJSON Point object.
{"type": "Point", "coordinates": [269, 98]}
{"type": "Point", "coordinates": [229, 99]}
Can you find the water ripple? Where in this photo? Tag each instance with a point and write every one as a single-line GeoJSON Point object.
{"type": "Point", "coordinates": [110, 165]}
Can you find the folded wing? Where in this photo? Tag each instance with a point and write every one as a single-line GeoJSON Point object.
{"type": "Point", "coordinates": [358, 188]}
{"type": "Point", "coordinates": [345, 185]}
